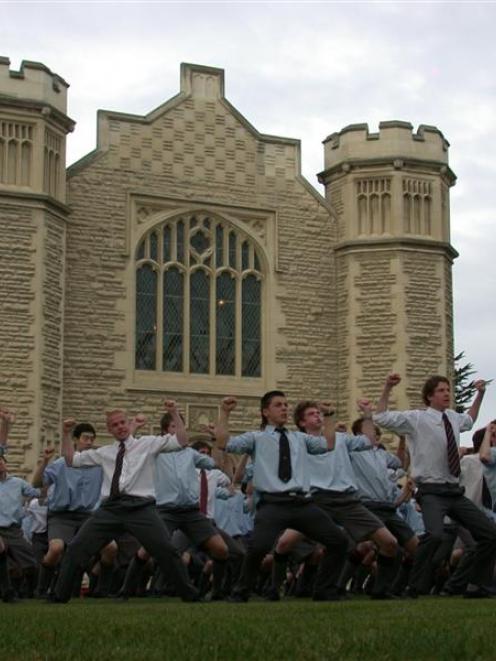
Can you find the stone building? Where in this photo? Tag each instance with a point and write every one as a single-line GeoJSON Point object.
{"type": "Point", "coordinates": [186, 256]}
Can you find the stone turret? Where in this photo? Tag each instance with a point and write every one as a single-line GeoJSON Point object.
{"type": "Point", "coordinates": [390, 194]}
{"type": "Point", "coordinates": [33, 217]}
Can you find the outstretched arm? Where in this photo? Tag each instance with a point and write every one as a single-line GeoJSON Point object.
{"type": "Point", "coordinates": [480, 386]}
{"type": "Point", "coordinates": [392, 380]}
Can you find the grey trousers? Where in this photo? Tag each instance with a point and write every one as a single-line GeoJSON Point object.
{"type": "Point", "coordinates": [275, 515]}
{"type": "Point", "coordinates": [137, 516]}
{"type": "Point", "coordinates": [438, 501]}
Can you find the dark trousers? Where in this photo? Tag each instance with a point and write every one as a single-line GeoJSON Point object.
{"type": "Point", "coordinates": [277, 514]}
{"type": "Point", "coordinates": [137, 516]}
{"type": "Point", "coordinates": [438, 501]}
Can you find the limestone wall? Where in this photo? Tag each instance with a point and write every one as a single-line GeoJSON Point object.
{"type": "Point", "coordinates": [194, 152]}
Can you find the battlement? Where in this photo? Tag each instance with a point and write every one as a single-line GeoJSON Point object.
{"type": "Point", "coordinates": [34, 81]}
{"type": "Point", "coordinates": [395, 139]}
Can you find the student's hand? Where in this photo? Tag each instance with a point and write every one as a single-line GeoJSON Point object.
{"type": "Point", "coordinates": [209, 429]}
{"type": "Point", "coordinates": [68, 425]}
{"type": "Point", "coordinates": [229, 404]}
{"type": "Point", "coordinates": [480, 385]}
{"type": "Point", "coordinates": [326, 408]}
{"type": "Point", "coordinates": [365, 406]}
{"type": "Point", "coordinates": [170, 406]}
{"type": "Point", "coordinates": [393, 379]}
{"type": "Point", "coordinates": [7, 416]}
{"type": "Point", "coordinates": [48, 453]}
{"type": "Point", "coordinates": [137, 422]}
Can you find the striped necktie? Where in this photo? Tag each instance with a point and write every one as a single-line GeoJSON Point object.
{"type": "Point", "coordinates": [453, 456]}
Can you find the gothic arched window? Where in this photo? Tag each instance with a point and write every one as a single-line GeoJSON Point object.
{"type": "Point", "coordinates": [198, 299]}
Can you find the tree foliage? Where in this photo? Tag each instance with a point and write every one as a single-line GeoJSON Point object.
{"type": "Point", "coordinates": [464, 385]}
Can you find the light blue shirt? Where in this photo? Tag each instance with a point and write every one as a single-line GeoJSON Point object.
{"type": "Point", "coordinates": [229, 514]}
{"type": "Point", "coordinates": [176, 479]}
{"type": "Point", "coordinates": [372, 477]}
{"type": "Point", "coordinates": [333, 471]}
{"type": "Point", "coordinates": [74, 489]}
{"type": "Point", "coordinates": [13, 491]}
{"type": "Point", "coordinates": [263, 446]}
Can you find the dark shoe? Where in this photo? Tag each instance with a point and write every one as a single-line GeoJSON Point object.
{"type": "Point", "coordinates": [411, 593]}
{"type": "Point", "coordinates": [272, 595]}
{"type": "Point", "coordinates": [383, 596]}
{"type": "Point", "coordinates": [479, 593]}
{"type": "Point", "coordinates": [9, 596]}
{"type": "Point", "coordinates": [52, 599]}
{"type": "Point", "coordinates": [327, 596]}
{"type": "Point", "coordinates": [237, 599]}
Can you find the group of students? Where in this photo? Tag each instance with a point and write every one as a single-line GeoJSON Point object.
{"type": "Point", "coordinates": [320, 512]}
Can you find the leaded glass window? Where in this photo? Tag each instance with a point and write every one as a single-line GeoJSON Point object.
{"type": "Point", "coordinates": [199, 287]}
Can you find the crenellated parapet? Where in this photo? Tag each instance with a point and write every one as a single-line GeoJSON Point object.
{"type": "Point", "coordinates": [395, 144]}
{"type": "Point", "coordinates": [34, 81]}
{"type": "Point", "coordinates": [33, 128]}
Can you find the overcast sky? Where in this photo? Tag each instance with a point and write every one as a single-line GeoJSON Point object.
{"type": "Point", "coordinates": [301, 70]}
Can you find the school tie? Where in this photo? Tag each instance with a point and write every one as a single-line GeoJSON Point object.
{"type": "Point", "coordinates": [119, 460]}
{"type": "Point", "coordinates": [453, 456]}
{"type": "Point", "coordinates": [203, 491]}
{"type": "Point", "coordinates": [284, 471]}
{"type": "Point", "coordinates": [487, 500]}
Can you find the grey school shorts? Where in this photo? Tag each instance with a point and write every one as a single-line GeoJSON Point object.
{"type": "Point", "coordinates": [65, 524]}
{"type": "Point", "coordinates": [191, 522]}
{"type": "Point", "coordinates": [347, 511]}
{"type": "Point", "coordinates": [19, 550]}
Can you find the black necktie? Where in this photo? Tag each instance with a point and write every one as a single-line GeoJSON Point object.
{"type": "Point", "coordinates": [487, 500]}
{"type": "Point", "coordinates": [284, 471]}
{"type": "Point", "coordinates": [453, 456]}
{"type": "Point", "coordinates": [119, 460]}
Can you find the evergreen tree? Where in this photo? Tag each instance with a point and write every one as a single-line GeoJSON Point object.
{"type": "Point", "coordinates": [464, 386]}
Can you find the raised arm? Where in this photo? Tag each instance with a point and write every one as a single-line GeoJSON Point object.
{"type": "Point", "coordinates": [402, 453]}
{"type": "Point", "coordinates": [136, 423]}
{"type": "Point", "coordinates": [480, 386]}
{"type": "Point", "coordinates": [37, 480]}
{"type": "Point", "coordinates": [485, 448]}
{"type": "Point", "coordinates": [392, 380]}
{"type": "Point", "coordinates": [368, 427]}
{"type": "Point", "coordinates": [67, 442]}
{"type": "Point", "coordinates": [328, 429]}
{"type": "Point", "coordinates": [239, 473]}
{"type": "Point", "coordinates": [222, 428]}
{"type": "Point", "coordinates": [6, 420]}
{"type": "Point", "coordinates": [181, 435]}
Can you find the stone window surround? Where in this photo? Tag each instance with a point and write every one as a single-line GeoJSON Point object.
{"type": "Point", "coordinates": [147, 211]}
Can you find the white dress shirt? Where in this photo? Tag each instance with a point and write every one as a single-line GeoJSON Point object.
{"type": "Point", "coordinates": [426, 437]}
{"type": "Point", "coordinates": [137, 474]}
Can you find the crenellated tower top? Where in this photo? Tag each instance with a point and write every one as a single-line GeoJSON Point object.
{"type": "Point", "coordinates": [35, 82]}
{"type": "Point", "coordinates": [394, 143]}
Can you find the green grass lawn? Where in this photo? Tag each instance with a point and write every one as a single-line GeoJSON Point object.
{"type": "Point", "coordinates": [428, 628]}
